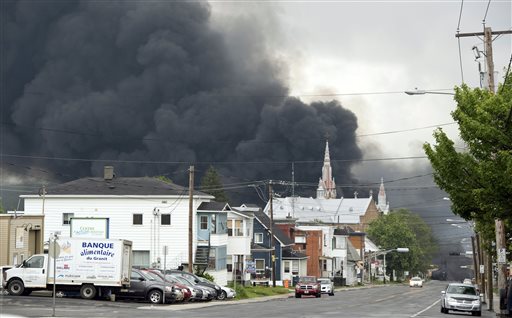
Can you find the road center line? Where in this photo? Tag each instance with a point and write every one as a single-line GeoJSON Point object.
{"type": "Point", "coordinates": [420, 312]}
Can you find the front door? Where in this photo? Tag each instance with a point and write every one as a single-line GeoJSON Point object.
{"type": "Point", "coordinates": [35, 272]}
{"type": "Point", "coordinates": [137, 286]}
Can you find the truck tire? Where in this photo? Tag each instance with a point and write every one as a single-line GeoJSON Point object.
{"type": "Point", "coordinates": [155, 296]}
{"type": "Point", "coordinates": [16, 287]}
{"type": "Point", "coordinates": [88, 291]}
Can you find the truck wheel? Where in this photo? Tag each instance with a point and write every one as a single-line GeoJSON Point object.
{"type": "Point", "coordinates": [88, 291]}
{"type": "Point", "coordinates": [27, 292]}
{"type": "Point", "coordinates": [318, 295]}
{"type": "Point", "coordinates": [297, 295]}
{"type": "Point", "coordinates": [155, 296]}
{"type": "Point", "coordinates": [16, 287]}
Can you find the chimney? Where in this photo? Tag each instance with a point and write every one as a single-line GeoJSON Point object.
{"type": "Point", "coordinates": [108, 173]}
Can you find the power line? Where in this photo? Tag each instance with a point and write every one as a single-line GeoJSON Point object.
{"type": "Point", "coordinates": [405, 130]}
{"type": "Point", "coordinates": [458, 41]}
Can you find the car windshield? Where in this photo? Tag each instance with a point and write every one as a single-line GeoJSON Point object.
{"type": "Point", "coordinates": [465, 290]}
{"type": "Point", "coordinates": [154, 276]}
{"type": "Point", "coordinates": [416, 279]}
{"type": "Point", "coordinates": [307, 279]}
{"type": "Point", "coordinates": [324, 281]}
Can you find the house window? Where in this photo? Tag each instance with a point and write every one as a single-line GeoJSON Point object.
{"type": "Point", "coordinates": [324, 265]}
{"type": "Point", "coordinates": [287, 266]}
{"type": "Point", "coordinates": [165, 219]}
{"type": "Point", "coordinates": [325, 239]}
{"type": "Point", "coordinates": [214, 224]}
{"type": "Point", "coordinates": [66, 218]}
{"type": "Point", "coordinates": [204, 222]}
{"type": "Point", "coordinates": [141, 258]}
{"type": "Point", "coordinates": [137, 219]}
{"type": "Point", "coordinates": [258, 238]}
{"type": "Point", "coordinates": [260, 266]}
{"type": "Point", "coordinates": [295, 268]}
{"type": "Point", "coordinates": [300, 239]}
{"type": "Point", "coordinates": [235, 228]}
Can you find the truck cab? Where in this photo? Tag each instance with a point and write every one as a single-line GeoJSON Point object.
{"type": "Point", "coordinates": [32, 274]}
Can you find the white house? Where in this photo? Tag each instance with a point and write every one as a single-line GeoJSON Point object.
{"type": "Point", "coordinates": [240, 233]}
{"type": "Point", "coordinates": [149, 212]}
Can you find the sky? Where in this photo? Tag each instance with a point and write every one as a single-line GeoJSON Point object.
{"type": "Point", "coordinates": [250, 87]}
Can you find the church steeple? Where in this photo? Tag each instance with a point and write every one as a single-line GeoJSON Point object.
{"type": "Point", "coordinates": [326, 185]}
{"type": "Point", "coordinates": [382, 203]}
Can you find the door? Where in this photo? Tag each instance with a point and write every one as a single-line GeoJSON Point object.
{"type": "Point", "coordinates": [137, 287]}
{"type": "Point", "coordinates": [34, 271]}
{"type": "Point", "coordinates": [203, 228]}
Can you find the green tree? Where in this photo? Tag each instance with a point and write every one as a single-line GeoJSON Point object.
{"type": "Point", "coordinates": [478, 179]}
{"type": "Point", "coordinates": [211, 184]}
{"type": "Point", "coordinates": [164, 179]}
{"type": "Point", "coordinates": [402, 228]}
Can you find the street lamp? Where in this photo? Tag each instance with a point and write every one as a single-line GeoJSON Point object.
{"type": "Point", "coordinates": [423, 92]}
{"type": "Point", "coordinates": [399, 250]}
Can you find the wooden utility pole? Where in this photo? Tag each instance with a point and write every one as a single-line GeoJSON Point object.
{"type": "Point", "coordinates": [272, 247]}
{"type": "Point", "coordinates": [190, 219]}
{"type": "Point", "coordinates": [481, 262]}
{"type": "Point", "coordinates": [501, 261]}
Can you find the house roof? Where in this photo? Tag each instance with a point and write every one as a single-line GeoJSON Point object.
{"type": "Point", "coordinates": [352, 254]}
{"type": "Point", "coordinates": [265, 221]}
{"type": "Point", "coordinates": [257, 247]}
{"type": "Point", "coordinates": [289, 253]}
{"type": "Point", "coordinates": [119, 186]}
{"type": "Point", "coordinates": [213, 206]}
{"type": "Point", "coordinates": [342, 210]}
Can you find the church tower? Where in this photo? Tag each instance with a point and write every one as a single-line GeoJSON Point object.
{"type": "Point", "coordinates": [382, 203]}
{"type": "Point", "coordinates": [326, 185]}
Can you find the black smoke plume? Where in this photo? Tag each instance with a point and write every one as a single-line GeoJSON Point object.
{"type": "Point", "coordinates": [151, 87]}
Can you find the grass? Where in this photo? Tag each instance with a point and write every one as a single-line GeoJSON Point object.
{"type": "Point", "coordinates": [246, 292]}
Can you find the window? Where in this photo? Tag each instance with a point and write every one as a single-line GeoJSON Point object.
{"type": "Point", "coordinates": [140, 258]}
{"type": "Point", "coordinates": [295, 268]}
{"type": "Point", "coordinates": [300, 239]}
{"type": "Point", "coordinates": [213, 220]}
{"type": "Point", "coordinates": [35, 262]}
{"type": "Point", "coordinates": [137, 219]}
{"type": "Point", "coordinates": [324, 265]}
{"type": "Point", "coordinates": [258, 238]}
{"type": "Point", "coordinates": [325, 239]}
{"type": "Point", "coordinates": [204, 222]}
{"type": "Point", "coordinates": [135, 276]}
{"type": "Point", "coordinates": [287, 266]}
{"type": "Point", "coordinates": [165, 219]}
{"type": "Point", "coordinates": [66, 218]}
{"type": "Point", "coordinates": [260, 266]}
{"type": "Point", "coordinates": [235, 228]}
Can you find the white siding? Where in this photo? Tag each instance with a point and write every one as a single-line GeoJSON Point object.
{"type": "Point", "coordinates": [148, 236]}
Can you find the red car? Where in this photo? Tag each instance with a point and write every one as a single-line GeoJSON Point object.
{"type": "Point", "coordinates": [308, 286]}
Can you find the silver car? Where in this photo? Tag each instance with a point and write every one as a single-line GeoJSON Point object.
{"type": "Point", "coordinates": [461, 297]}
{"type": "Point", "coordinates": [326, 286]}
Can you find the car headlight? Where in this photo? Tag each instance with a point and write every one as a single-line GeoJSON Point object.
{"type": "Point", "coordinates": [476, 302]}
{"type": "Point", "coordinates": [168, 289]}
{"type": "Point", "coordinates": [451, 299]}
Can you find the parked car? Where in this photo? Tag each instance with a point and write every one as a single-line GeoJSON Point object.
{"type": "Point", "coordinates": [197, 280]}
{"type": "Point", "coordinates": [461, 297]}
{"type": "Point", "coordinates": [416, 282]}
{"type": "Point", "coordinates": [180, 293]}
{"type": "Point", "coordinates": [326, 286]}
{"type": "Point", "coordinates": [226, 293]}
{"type": "Point", "coordinates": [308, 286]}
{"type": "Point", "coordinates": [143, 286]}
{"type": "Point", "coordinates": [206, 293]}
{"type": "Point", "coordinates": [467, 281]}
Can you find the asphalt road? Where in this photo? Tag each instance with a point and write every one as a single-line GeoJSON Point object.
{"type": "Point", "coordinates": [382, 301]}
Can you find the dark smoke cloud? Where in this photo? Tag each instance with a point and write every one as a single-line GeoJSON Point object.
{"type": "Point", "coordinates": [154, 81]}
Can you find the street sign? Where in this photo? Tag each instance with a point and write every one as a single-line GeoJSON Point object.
{"type": "Point", "coordinates": [502, 256]}
{"type": "Point", "coordinates": [482, 269]}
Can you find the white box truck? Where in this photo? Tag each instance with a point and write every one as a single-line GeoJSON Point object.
{"type": "Point", "coordinates": [94, 267]}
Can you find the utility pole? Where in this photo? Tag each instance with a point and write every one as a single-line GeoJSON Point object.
{"type": "Point", "coordinates": [499, 226]}
{"type": "Point", "coordinates": [272, 247]}
{"type": "Point", "coordinates": [190, 219]}
{"type": "Point", "coordinates": [476, 266]}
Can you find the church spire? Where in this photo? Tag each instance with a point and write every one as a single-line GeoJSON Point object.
{"type": "Point", "coordinates": [326, 185]}
{"type": "Point", "coordinates": [382, 203]}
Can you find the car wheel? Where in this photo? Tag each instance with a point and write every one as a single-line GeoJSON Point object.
{"type": "Point", "coordinates": [318, 295]}
{"type": "Point", "coordinates": [476, 313]}
{"type": "Point", "coordinates": [155, 296]}
{"type": "Point", "coordinates": [88, 291]}
{"type": "Point", "coordinates": [16, 287]}
{"type": "Point", "coordinates": [297, 295]}
{"type": "Point", "coordinates": [222, 295]}
{"type": "Point", "coordinates": [331, 294]}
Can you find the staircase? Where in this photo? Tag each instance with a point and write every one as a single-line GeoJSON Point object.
{"type": "Point", "coordinates": [202, 257]}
